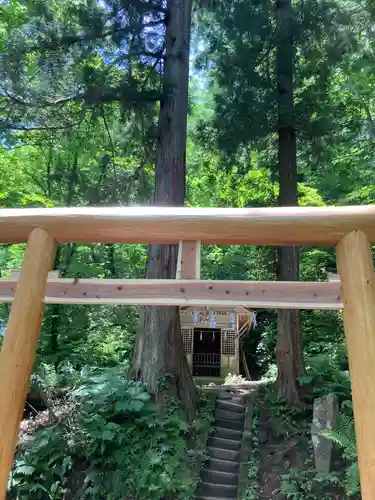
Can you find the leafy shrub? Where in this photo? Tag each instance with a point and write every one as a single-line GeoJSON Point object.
{"type": "Point", "coordinates": [126, 446]}
{"type": "Point", "coordinates": [303, 484]}
{"type": "Point", "coordinates": [40, 470]}
{"type": "Point", "coordinates": [344, 436]}
{"type": "Point", "coordinates": [325, 374]}
{"type": "Point", "coordinates": [271, 372]}
{"type": "Point", "coordinates": [130, 446]}
{"type": "Point", "coordinates": [323, 332]}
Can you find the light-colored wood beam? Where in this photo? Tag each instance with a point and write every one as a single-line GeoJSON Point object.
{"type": "Point", "coordinates": [354, 260]}
{"type": "Point", "coordinates": [253, 294]}
{"type": "Point", "coordinates": [189, 260]}
{"type": "Point", "coordinates": [20, 344]}
{"type": "Point", "coordinates": [226, 226]}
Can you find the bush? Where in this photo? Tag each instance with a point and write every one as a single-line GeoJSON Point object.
{"type": "Point", "coordinates": [344, 437]}
{"type": "Point", "coordinates": [119, 445]}
{"type": "Point", "coordinates": [328, 373]}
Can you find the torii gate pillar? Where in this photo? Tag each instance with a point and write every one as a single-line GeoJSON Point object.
{"type": "Point", "coordinates": [20, 343]}
{"type": "Point", "coordinates": [355, 265]}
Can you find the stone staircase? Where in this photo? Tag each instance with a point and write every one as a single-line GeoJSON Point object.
{"type": "Point", "coordinates": [219, 479]}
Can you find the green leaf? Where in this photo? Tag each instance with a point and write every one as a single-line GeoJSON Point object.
{"type": "Point", "coordinates": [306, 379]}
{"type": "Point", "coordinates": [28, 470]}
{"type": "Point", "coordinates": [108, 435]}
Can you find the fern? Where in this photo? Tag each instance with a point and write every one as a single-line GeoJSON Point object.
{"type": "Point", "coordinates": [352, 483]}
{"type": "Point", "coordinates": [326, 375]}
{"type": "Point", "coordinates": [344, 436]}
{"type": "Point", "coordinates": [129, 448]}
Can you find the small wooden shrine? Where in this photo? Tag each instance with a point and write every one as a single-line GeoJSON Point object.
{"type": "Point", "coordinates": [212, 336]}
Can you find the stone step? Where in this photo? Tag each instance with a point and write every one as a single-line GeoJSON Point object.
{"type": "Point", "coordinates": [231, 455]}
{"type": "Point", "coordinates": [225, 395]}
{"type": "Point", "coordinates": [223, 465]}
{"type": "Point", "coordinates": [235, 425]}
{"type": "Point", "coordinates": [217, 490]}
{"type": "Point", "coordinates": [225, 444]}
{"type": "Point", "coordinates": [233, 395]}
{"type": "Point", "coordinates": [226, 433]}
{"type": "Point", "coordinates": [229, 405]}
{"type": "Point", "coordinates": [219, 477]}
{"type": "Point", "coordinates": [237, 401]}
{"type": "Point", "coordinates": [230, 415]}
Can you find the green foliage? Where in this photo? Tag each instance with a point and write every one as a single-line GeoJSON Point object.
{"type": "Point", "coordinates": [253, 466]}
{"type": "Point", "coordinates": [115, 442]}
{"type": "Point", "coordinates": [101, 90]}
{"type": "Point", "coordinates": [252, 490]}
{"type": "Point", "coordinates": [308, 484]}
{"type": "Point", "coordinates": [325, 374]}
{"type": "Point", "coordinates": [344, 436]}
{"type": "Point", "coordinates": [244, 68]}
{"type": "Point", "coordinates": [205, 414]}
{"type": "Point", "coordinates": [286, 420]}
{"type": "Point", "coordinates": [126, 432]}
{"type": "Point", "coordinates": [288, 433]}
{"type": "Point", "coordinates": [63, 62]}
{"type": "Point", "coordinates": [40, 471]}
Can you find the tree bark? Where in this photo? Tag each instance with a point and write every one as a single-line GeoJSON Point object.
{"type": "Point", "coordinates": [159, 358]}
{"type": "Point", "coordinates": [289, 354]}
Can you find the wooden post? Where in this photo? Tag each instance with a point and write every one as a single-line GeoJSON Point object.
{"type": "Point", "coordinates": [189, 268]}
{"type": "Point", "coordinates": [356, 270]}
{"type": "Point", "coordinates": [20, 344]}
{"type": "Point", "coordinates": [189, 260]}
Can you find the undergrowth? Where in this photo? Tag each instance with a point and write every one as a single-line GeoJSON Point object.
{"type": "Point", "coordinates": [253, 465]}
{"type": "Point", "coordinates": [114, 443]}
{"type": "Point", "coordinates": [286, 431]}
{"type": "Point", "coordinates": [306, 483]}
{"type": "Point", "coordinates": [344, 437]}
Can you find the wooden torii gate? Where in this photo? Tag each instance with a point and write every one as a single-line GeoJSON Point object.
{"type": "Point", "coordinates": [350, 229]}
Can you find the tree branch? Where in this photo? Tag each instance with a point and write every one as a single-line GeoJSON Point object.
{"type": "Point", "coordinates": [365, 107]}
{"type": "Point", "coordinates": [113, 154]}
{"type": "Point", "coordinates": [18, 100]}
{"type": "Point", "coordinates": [67, 41]}
{"type": "Point", "coordinates": [92, 96]}
{"type": "Point", "coordinates": [4, 125]}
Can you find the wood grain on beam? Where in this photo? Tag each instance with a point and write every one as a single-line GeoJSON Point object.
{"type": "Point", "coordinates": [254, 294]}
{"type": "Point", "coordinates": [189, 260]}
{"type": "Point", "coordinates": [227, 226]}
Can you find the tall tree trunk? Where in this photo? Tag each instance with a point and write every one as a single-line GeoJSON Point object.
{"type": "Point", "coordinates": [64, 254]}
{"type": "Point", "coordinates": [159, 358]}
{"type": "Point", "coordinates": [288, 349]}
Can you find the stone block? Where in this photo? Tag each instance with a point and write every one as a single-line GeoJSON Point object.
{"type": "Point", "coordinates": [324, 417]}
